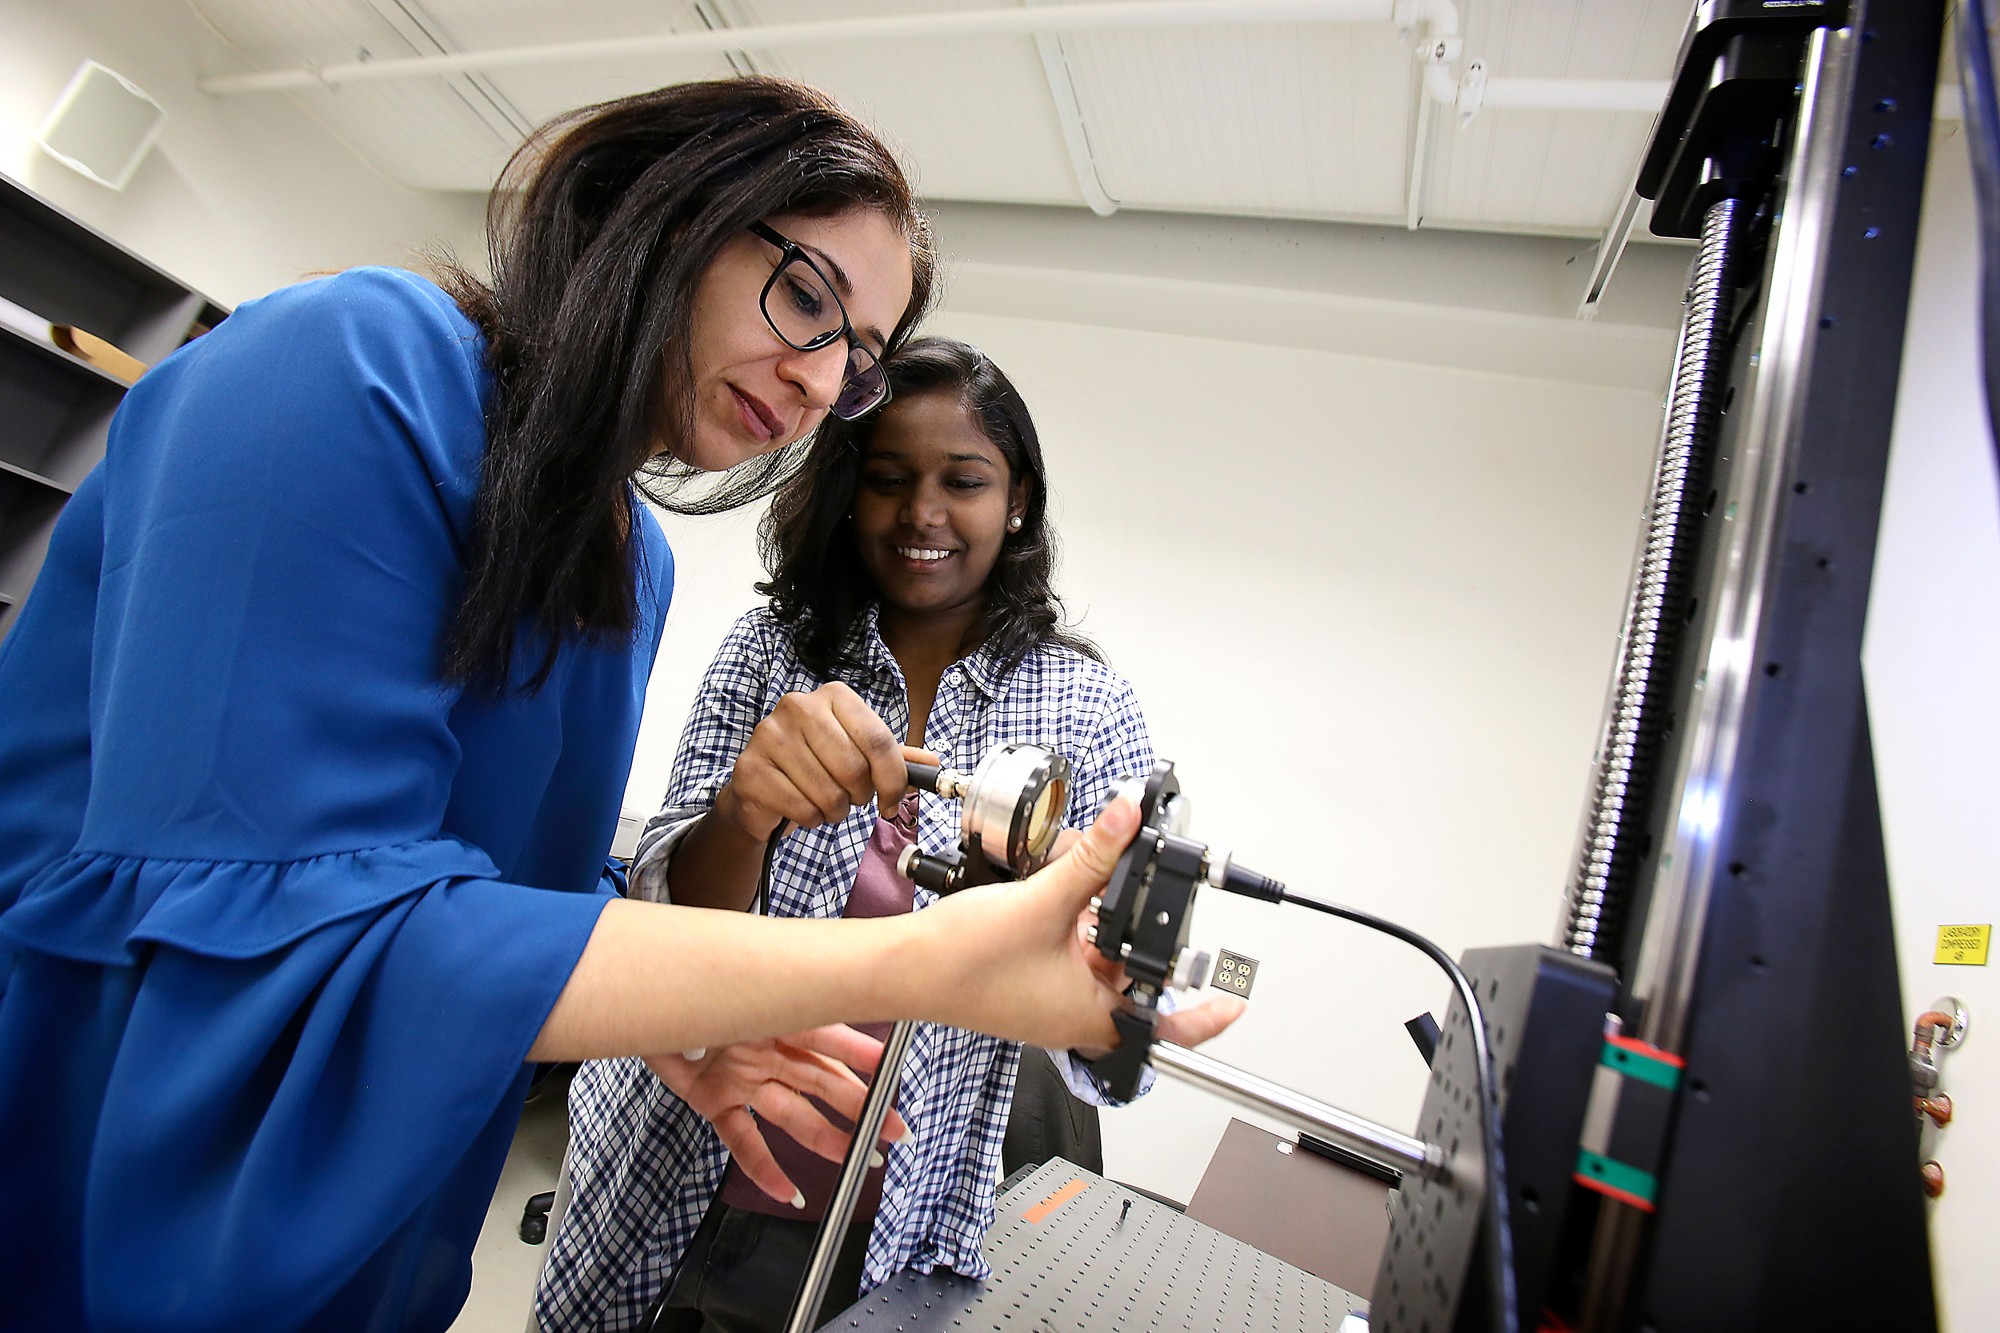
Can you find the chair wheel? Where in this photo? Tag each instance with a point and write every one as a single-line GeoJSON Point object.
{"type": "Point", "coordinates": [535, 1217]}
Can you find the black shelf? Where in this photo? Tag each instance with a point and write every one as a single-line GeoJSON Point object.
{"type": "Point", "coordinates": [67, 360]}
{"type": "Point", "coordinates": [56, 407]}
{"type": "Point", "coordinates": [21, 474]}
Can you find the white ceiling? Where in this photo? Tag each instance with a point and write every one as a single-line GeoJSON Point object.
{"type": "Point", "coordinates": [1313, 121]}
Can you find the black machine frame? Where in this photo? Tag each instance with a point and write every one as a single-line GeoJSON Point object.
{"type": "Point", "coordinates": [1788, 1186]}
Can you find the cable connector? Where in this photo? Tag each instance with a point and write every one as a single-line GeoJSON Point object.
{"type": "Point", "coordinates": [1220, 871]}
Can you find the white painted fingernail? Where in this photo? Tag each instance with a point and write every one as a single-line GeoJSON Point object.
{"type": "Point", "coordinates": [876, 1161]}
{"type": "Point", "coordinates": [798, 1200]}
{"type": "Point", "coordinates": [909, 1139]}
{"type": "Point", "coordinates": [694, 1054]}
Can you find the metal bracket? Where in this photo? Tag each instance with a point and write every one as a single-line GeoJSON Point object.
{"type": "Point", "coordinates": [1471, 91]}
{"type": "Point", "coordinates": [1722, 130]}
{"type": "Point", "coordinates": [1625, 1125]}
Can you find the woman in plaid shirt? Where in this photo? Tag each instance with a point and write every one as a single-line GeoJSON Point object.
{"type": "Point", "coordinates": [911, 599]}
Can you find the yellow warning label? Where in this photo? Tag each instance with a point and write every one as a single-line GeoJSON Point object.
{"type": "Point", "coordinates": [1963, 944]}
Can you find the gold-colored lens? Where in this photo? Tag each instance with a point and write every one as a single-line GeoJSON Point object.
{"type": "Point", "coordinates": [1045, 820]}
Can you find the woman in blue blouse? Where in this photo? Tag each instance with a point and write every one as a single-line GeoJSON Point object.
{"type": "Point", "coordinates": [315, 726]}
{"type": "Point", "coordinates": [911, 588]}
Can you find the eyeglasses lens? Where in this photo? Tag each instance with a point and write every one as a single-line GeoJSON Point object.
{"type": "Point", "coordinates": [807, 315]}
{"type": "Point", "coordinates": [800, 307]}
{"type": "Point", "coordinates": [865, 387]}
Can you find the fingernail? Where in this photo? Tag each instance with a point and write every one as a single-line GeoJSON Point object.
{"type": "Point", "coordinates": [876, 1161]}
{"type": "Point", "coordinates": [909, 1138]}
{"type": "Point", "coordinates": [798, 1200]}
{"type": "Point", "coordinates": [694, 1054]}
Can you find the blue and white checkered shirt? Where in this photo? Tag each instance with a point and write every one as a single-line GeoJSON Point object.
{"type": "Point", "coordinates": [643, 1166]}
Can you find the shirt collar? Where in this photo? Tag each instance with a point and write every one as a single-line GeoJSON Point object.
{"type": "Point", "coordinates": [864, 644]}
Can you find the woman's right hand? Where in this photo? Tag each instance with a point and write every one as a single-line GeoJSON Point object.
{"type": "Point", "coordinates": [815, 758]}
{"type": "Point", "coordinates": [734, 1086]}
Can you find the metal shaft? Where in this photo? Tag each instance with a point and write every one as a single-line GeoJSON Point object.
{"type": "Point", "coordinates": [853, 1170]}
{"type": "Point", "coordinates": [1622, 773]}
{"type": "Point", "coordinates": [1376, 1142]}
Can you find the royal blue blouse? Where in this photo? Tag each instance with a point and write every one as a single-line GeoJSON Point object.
{"type": "Point", "coordinates": [280, 911]}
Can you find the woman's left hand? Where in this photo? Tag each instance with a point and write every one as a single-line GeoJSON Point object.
{"type": "Point", "coordinates": [773, 1078]}
{"type": "Point", "coordinates": [1189, 1026]}
{"type": "Point", "coordinates": [1010, 959]}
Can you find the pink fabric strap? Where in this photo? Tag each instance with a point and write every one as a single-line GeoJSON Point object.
{"type": "Point", "coordinates": [878, 891]}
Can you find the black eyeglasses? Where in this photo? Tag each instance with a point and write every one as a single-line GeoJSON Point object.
{"type": "Point", "coordinates": [809, 315]}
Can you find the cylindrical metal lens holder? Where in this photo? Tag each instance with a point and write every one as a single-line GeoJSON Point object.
{"type": "Point", "coordinates": [1014, 806]}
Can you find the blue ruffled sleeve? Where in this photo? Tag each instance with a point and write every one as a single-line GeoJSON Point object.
{"type": "Point", "coordinates": [308, 930]}
{"type": "Point", "coordinates": [284, 523]}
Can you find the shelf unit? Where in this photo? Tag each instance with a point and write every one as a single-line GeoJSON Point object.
{"type": "Point", "coordinates": [55, 406]}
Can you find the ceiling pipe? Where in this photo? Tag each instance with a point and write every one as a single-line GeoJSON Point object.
{"type": "Point", "coordinates": [1436, 48]}
{"type": "Point", "coordinates": [1022, 22]}
{"type": "Point", "coordinates": [1418, 178]}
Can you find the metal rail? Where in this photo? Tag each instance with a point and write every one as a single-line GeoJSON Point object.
{"type": "Point", "coordinates": [1375, 1142]}
{"type": "Point", "coordinates": [853, 1170]}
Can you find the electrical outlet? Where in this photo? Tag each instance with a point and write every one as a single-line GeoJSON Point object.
{"type": "Point", "coordinates": [1234, 973]}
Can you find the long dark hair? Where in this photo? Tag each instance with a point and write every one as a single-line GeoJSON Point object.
{"type": "Point", "coordinates": [818, 582]}
{"type": "Point", "coordinates": [599, 232]}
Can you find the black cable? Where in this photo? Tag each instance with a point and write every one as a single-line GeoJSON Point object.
{"type": "Point", "coordinates": [1499, 1254]}
{"type": "Point", "coordinates": [761, 904]}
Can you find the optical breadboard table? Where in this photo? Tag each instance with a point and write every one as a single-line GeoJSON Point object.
{"type": "Point", "coordinates": [1073, 1251]}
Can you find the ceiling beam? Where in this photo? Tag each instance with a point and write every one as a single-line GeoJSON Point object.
{"type": "Point", "coordinates": [1025, 22]}
{"type": "Point", "coordinates": [1069, 113]}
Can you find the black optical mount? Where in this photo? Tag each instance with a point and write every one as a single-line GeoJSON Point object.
{"type": "Point", "coordinates": [1143, 918]}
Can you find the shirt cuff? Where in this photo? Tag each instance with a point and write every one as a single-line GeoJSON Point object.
{"type": "Point", "coordinates": [1076, 1073]}
{"type": "Point", "coordinates": [647, 876]}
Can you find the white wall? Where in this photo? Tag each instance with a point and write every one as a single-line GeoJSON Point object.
{"type": "Point", "coordinates": [238, 196]}
{"type": "Point", "coordinates": [1932, 658]}
{"type": "Point", "coordinates": [1370, 608]}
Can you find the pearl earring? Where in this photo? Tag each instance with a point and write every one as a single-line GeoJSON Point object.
{"type": "Point", "coordinates": [1014, 523]}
